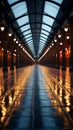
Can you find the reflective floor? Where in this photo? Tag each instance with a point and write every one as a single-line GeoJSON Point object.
{"type": "Point", "coordinates": [36, 98]}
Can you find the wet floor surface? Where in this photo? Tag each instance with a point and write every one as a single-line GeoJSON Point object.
{"type": "Point", "coordinates": [33, 100]}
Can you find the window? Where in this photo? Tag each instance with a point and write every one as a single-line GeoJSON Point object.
{"type": "Point", "coordinates": [19, 9]}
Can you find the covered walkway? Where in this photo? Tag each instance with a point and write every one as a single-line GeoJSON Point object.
{"type": "Point", "coordinates": [40, 100]}
{"type": "Point", "coordinates": [36, 64]}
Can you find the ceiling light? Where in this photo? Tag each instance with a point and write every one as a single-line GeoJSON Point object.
{"type": "Point", "coordinates": [66, 29]}
{"type": "Point", "coordinates": [15, 50]}
{"type": "Point", "coordinates": [61, 43]}
{"type": "Point", "coordinates": [59, 35]}
{"type": "Point", "coordinates": [7, 50]}
{"type": "Point", "coordinates": [17, 42]}
{"type": "Point", "coordinates": [2, 28]}
{"type": "Point", "coordinates": [55, 40]}
{"type": "Point", "coordinates": [67, 37]}
{"type": "Point", "coordinates": [14, 39]}
{"type": "Point", "coordinates": [9, 34]}
{"type": "Point", "coordinates": [2, 49]}
{"type": "Point", "coordinates": [52, 44]}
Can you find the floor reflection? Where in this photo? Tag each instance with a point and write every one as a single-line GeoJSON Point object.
{"type": "Point", "coordinates": [61, 84]}
{"type": "Point", "coordinates": [12, 84]}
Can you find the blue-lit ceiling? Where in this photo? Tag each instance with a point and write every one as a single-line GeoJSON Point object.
{"type": "Point", "coordinates": [36, 23]}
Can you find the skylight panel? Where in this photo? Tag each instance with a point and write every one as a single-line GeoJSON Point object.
{"type": "Point", "coordinates": [27, 39]}
{"type": "Point", "coordinates": [27, 32]}
{"type": "Point", "coordinates": [45, 32]}
{"type": "Point", "coordinates": [43, 38]}
{"type": "Point", "coordinates": [30, 41]}
{"type": "Point", "coordinates": [23, 20]}
{"type": "Point", "coordinates": [12, 1]}
{"type": "Point", "coordinates": [29, 35]}
{"type": "Point", "coordinates": [43, 35]}
{"type": "Point", "coordinates": [42, 42]}
{"type": "Point", "coordinates": [24, 28]}
{"type": "Point", "coordinates": [51, 8]}
{"type": "Point", "coordinates": [19, 9]}
{"type": "Point", "coordinates": [48, 20]}
{"type": "Point", "coordinates": [58, 1]}
{"type": "Point", "coordinates": [46, 27]}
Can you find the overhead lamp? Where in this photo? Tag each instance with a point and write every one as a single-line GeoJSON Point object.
{"type": "Point", "coordinates": [7, 50]}
{"type": "Point", "coordinates": [2, 49]}
{"type": "Point", "coordinates": [16, 42]}
{"type": "Point", "coordinates": [55, 40]}
{"type": "Point", "coordinates": [9, 34]}
{"type": "Point", "coordinates": [15, 50]}
{"type": "Point", "coordinates": [67, 37]}
{"type": "Point", "coordinates": [23, 49]}
{"type": "Point", "coordinates": [52, 44]}
{"type": "Point", "coordinates": [56, 55]}
{"type": "Point", "coordinates": [14, 39]}
{"type": "Point", "coordinates": [59, 35]}
{"type": "Point", "coordinates": [61, 43]}
{"type": "Point", "coordinates": [66, 29]}
{"type": "Point", "coordinates": [0, 41]}
{"type": "Point", "coordinates": [19, 44]}
{"type": "Point", "coordinates": [65, 49]}
{"type": "Point", "coordinates": [2, 28]}
{"type": "Point", "coordinates": [14, 54]}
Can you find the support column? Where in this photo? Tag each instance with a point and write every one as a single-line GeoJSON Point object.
{"type": "Point", "coordinates": [71, 42]}
{"type": "Point", "coordinates": [5, 59]}
{"type": "Point", "coordinates": [63, 50]}
{"type": "Point", "coordinates": [12, 56]}
{"type": "Point", "coordinates": [17, 58]}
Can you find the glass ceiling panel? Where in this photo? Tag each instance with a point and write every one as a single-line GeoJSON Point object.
{"type": "Point", "coordinates": [48, 20]}
{"type": "Point", "coordinates": [28, 39]}
{"type": "Point", "coordinates": [51, 9]}
{"type": "Point", "coordinates": [58, 1]}
{"type": "Point", "coordinates": [27, 32]}
{"type": "Point", "coordinates": [42, 31]}
{"type": "Point", "coordinates": [30, 43]}
{"type": "Point", "coordinates": [23, 20]}
{"type": "Point", "coordinates": [44, 36]}
{"type": "Point", "coordinates": [19, 9]}
{"type": "Point", "coordinates": [41, 42]}
{"type": "Point", "coordinates": [41, 46]}
{"type": "Point", "coordinates": [46, 27]}
{"type": "Point", "coordinates": [24, 28]}
{"type": "Point", "coordinates": [12, 1]}
{"type": "Point", "coordinates": [29, 35]}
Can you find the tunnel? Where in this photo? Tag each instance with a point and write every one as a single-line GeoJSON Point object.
{"type": "Point", "coordinates": [36, 64]}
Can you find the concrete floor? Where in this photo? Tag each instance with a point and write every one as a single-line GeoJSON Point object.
{"type": "Point", "coordinates": [36, 98]}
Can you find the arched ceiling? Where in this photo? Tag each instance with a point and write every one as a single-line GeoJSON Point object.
{"type": "Point", "coordinates": [37, 21]}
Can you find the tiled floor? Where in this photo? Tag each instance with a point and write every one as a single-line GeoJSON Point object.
{"type": "Point", "coordinates": [31, 104]}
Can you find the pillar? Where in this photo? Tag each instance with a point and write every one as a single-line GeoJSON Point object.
{"type": "Point", "coordinates": [12, 51]}
{"type": "Point", "coordinates": [71, 43]}
{"type": "Point", "coordinates": [5, 59]}
{"type": "Point", "coordinates": [17, 58]}
{"type": "Point", "coordinates": [63, 50]}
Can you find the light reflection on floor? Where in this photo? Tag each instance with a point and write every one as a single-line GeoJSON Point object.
{"type": "Point", "coordinates": [29, 99]}
{"type": "Point", "coordinates": [62, 85]}
{"type": "Point", "coordinates": [12, 85]}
